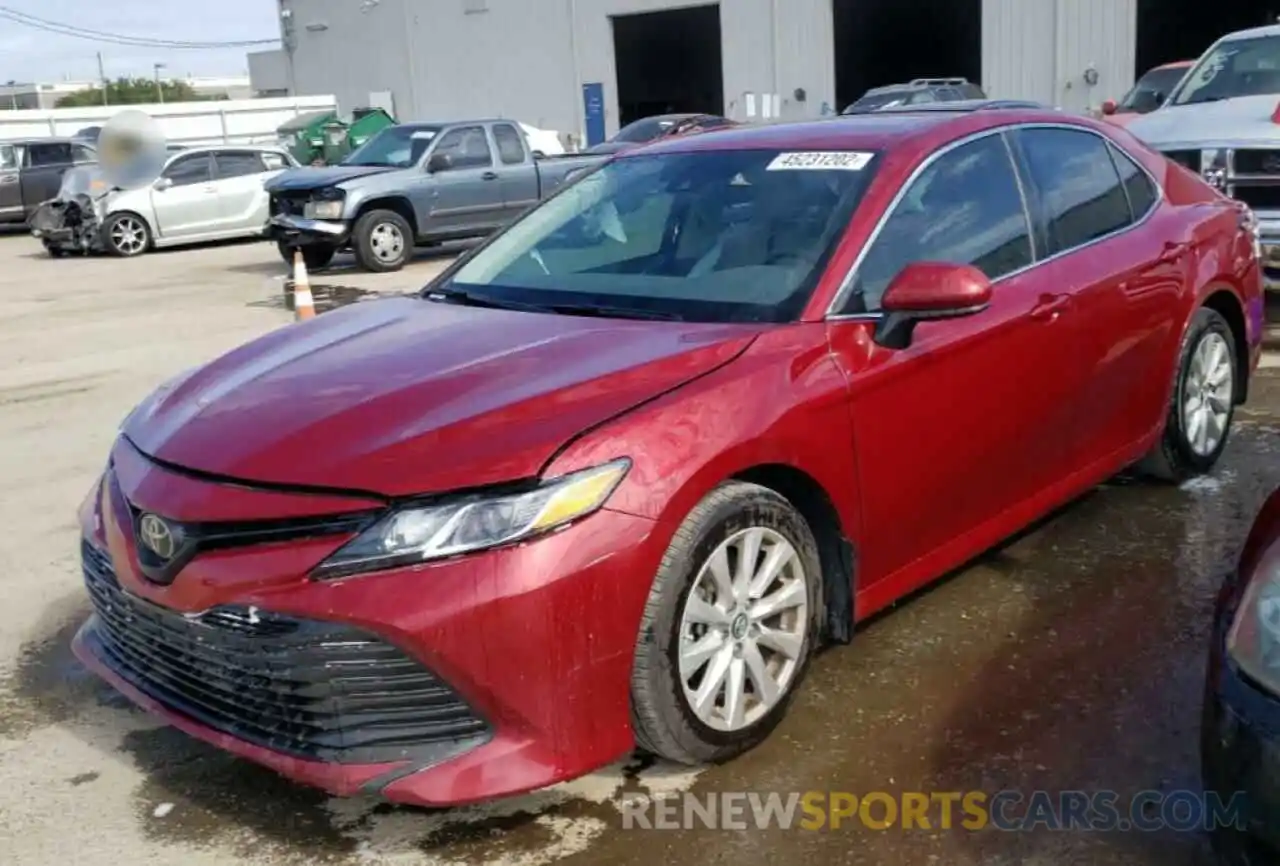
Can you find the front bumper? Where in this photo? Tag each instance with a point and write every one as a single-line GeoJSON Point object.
{"type": "Point", "coordinates": [1240, 748]}
{"type": "Point", "coordinates": [300, 231]}
{"type": "Point", "coordinates": [526, 651]}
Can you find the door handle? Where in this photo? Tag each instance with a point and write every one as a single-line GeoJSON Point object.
{"type": "Point", "coordinates": [1173, 251]}
{"type": "Point", "coordinates": [1050, 307]}
{"type": "Point", "coordinates": [489, 175]}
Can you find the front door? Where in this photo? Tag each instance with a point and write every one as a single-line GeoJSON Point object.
{"type": "Point", "coordinates": [10, 184]}
{"type": "Point", "coordinates": [467, 196]}
{"type": "Point", "coordinates": [187, 205]}
{"type": "Point", "coordinates": [970, 421]}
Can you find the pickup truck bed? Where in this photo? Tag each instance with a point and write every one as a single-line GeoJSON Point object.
{"type": "Point", "coordinates": [414, 185]}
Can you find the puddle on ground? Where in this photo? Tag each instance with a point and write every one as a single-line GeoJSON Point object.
{"type": "Point", "coordinates": [327, 296]}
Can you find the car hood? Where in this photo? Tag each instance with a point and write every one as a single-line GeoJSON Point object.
{"type": "Point", "coordinates": [320, 177]}
{"type": "Point", "coordinates": [405, 396]}
{"type": "Point", "coordinates": [1245, 119]}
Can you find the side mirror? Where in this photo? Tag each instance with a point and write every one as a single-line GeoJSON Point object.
{"type": "Point", "coordinates": [1109, 107]}
{"type": "Point", "coordinates": [439, 162]}
{"type": "Point", "coordinates": [926, 291]}
{"type": "Point", "coordinates": [162, 183]}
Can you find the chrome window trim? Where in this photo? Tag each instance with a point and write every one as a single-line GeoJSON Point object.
{"type": "Point", "coordinates": [846, 285]}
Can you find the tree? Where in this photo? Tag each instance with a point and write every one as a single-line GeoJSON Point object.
{"type": "Point", "coordinates": [133, 91]}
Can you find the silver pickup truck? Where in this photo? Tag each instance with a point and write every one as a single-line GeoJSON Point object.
{"type": "Point", "coordinates": [415, 184]}
{"type": "Point", "coordinates": [1222, 120]}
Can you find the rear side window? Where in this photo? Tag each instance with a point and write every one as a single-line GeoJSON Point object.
{"type": "Point", "coordinates": [237, 163]}
{"type": "Point", "coordinates": [1080, 192]}
{"type": "Point", "coordinates": [8, 157]}
{"type": "Point", "coordinates": [49, 153]}
{"type": "Point", "coordinates": [83, 154]}
{"type": "Point", "coordinates": [965, 208]}
{"type": "Point", "coordinates": [510, 145]}
{"type": "Point", "coordinates": [1141, 191]}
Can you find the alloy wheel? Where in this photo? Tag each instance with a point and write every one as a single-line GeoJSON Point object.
{"type": "Point", "coordinates": [1207, 393]}
{"type": "Point", "coordinates": [743, 629]}
{"type": "Point", "coordinates": [128, 236]}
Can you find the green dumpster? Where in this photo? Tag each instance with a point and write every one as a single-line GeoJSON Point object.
{"type": "Point", "coordinates": [303, 136]}
{"type": "Point", "coordinates": [366, 123]}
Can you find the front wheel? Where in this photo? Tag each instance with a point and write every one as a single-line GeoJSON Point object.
{"type": "Point", "coordinates": [1203, 402]}
{"type": "Point", "coordinates": [54, 251]}
{"type": "Point", "coordinates": [383, 241]}
{"type": "Point", "coordinates": [314, 256]}
{"type": "Point", "coordinates": [126, 235]}
{"type": "Point", "coordinates": [730, 625]}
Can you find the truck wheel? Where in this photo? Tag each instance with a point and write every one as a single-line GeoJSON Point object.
{"type": "Point", "coordinates": [1204, 396]}
{"type": "Point", "coordinates": [126, 235]}
{"type": "Point", "coordinates": [731, 623]}
{"type": "Point", "coordinates": [383, 241]}
{"type": "Point", "coordinates": [314, 256]}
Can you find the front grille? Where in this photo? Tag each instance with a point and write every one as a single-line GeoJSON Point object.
{"type": "Point", "coordinates": [1186, 158]}
{"type": "Point", "coordinates": [1257, 161]}
{"type": "Point", "coordinates": [317, 690]}
{"type": "Point", "coordinates": [289, 204]}
{"type": "Point", "coordinates": [1258, 197]}
{"type": "Point", "coordinates": [1248, 174]}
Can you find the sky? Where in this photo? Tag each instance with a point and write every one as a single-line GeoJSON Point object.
{"type": "Point", "coordinates": [28, 54]}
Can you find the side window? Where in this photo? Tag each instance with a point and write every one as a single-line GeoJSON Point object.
{"type": "Point", "coordinates": [8, 157]}
{"type": "Point", "coordinates": [1142, 192]}
{"type": "Point", "coordinates": [237, 163]}
{"type": "Point", "coordinates": [510, 144]}
{"type": "Point", "coordinates": [468, 147]}
{"type": "Point", "coordinates": [186, 170]}
{"type": "Point", "coordinates": [49, 153]}
{"type": "Point", "coordinates": [965, 208]}
{"type": "Point", "coordinates": [1079, 188]}
{"type": "Point", "coordinates": [80, 153]}
{"type": "Point", "coordinates": [922, 97]}
{"type": "Point", "coordinates": [273, 161]}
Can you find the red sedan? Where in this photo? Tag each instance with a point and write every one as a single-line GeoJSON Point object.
{"type": "Point", "coordinates": [614, 476]}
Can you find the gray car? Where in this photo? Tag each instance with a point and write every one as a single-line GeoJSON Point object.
{"type": "Point", "coordinates": [31, 171]}
{"type": "Point", "coordinates": [412, 185]}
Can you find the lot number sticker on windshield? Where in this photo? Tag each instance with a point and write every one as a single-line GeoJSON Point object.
{"type": "Point", "coordinates": [841, 160]}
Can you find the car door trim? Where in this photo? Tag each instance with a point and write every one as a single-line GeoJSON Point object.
{"type": "Point", "coordinates": [846, 284]}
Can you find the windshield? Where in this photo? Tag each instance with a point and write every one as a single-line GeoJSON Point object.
{"type": "Point", "coordinates": [1238, 67]}
{"type": "Point", "coordinates": [394, 147]}
{"type": "Point", "coordinates": [724, 236]}
{"type": "Point", "coordinates": [645, 130]}
{"type": "Point", "coordinates": [1152, 89]}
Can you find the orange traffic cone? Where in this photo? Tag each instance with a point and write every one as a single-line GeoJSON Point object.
{"type": "Point", "coordinates": [304, 306]}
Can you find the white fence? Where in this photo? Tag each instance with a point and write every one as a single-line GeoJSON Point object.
{"type": "Point", "coordinates": [236, 121]}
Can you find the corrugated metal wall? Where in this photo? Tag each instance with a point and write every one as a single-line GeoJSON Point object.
{"type": "Point", "coordinates": [1041, 49]}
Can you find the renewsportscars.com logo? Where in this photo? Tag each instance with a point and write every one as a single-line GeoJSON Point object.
{"type": "Point", "coordinates": [1093, 811]}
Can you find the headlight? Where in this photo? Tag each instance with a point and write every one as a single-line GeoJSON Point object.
{"type": "Point", "coordinates": [1254, 639]}
{"type": "Point", "coordinates": [466, 524]}
{"type": "Point", "coordinates": [323, 210]}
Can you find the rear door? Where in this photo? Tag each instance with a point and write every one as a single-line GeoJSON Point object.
{"type": "Point", "coordinates": [1100, 214]}
{"type": "Point", "coordinates": [45, 163]}
{"type": "Point", "coordinates": [969, 421]}
{"type": "Point", "coordinates": [467, 196]}
{"type": "Point", "coordinates": [242, 201]}
{"type": "Point", "coordinates": [10, 186]}
{"type": "Point", "coordinates": [189, 207]}
{"type": "Point", "coordinates": [519, 180]}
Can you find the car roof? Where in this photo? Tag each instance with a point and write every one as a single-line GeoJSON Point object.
{"type": "Point", "coordinates": [967, 105]}
{"type": "Point", "coordinates": [1252, 33]}
{"type": "Point", "coordinates": [875, 131]}
{"type": "Point", "coordinates": [50, 139]}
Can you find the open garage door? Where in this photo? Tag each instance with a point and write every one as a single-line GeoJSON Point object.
{"type": "Point", "coordinates": [1170, 30]}
{"type": "Point", "coordinates": [668, 62]}
{"type": "Point", "coordinates": [890, 41]}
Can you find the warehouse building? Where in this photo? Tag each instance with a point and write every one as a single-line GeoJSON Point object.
{"type": "Point", "coordinates": [589, 66]}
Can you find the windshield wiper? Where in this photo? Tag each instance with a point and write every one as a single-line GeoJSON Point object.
{"type": "Point", "coordinates": [472, 299]}
{"type": "Point", "coordinates": [614, 312]}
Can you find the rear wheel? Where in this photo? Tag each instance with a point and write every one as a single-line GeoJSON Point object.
{"type": "Point", "coordinates": [383, 241]}
{"type": "Point", "coordinates": [1203, 402]}
{"type": "Point", "coordinates": [126, 235]}
{"type": "Point", "coordinates": [729, 627]}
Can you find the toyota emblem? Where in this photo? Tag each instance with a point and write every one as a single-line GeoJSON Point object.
{"type": "Point", "coordinates": [156, 535]}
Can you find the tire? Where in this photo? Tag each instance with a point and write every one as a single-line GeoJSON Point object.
{"type": "Point", "coordinates": [375, 244]}
{"type": "Point", "coordinates": [126, 225]}
{"type": "Point", "coordinates": [663, 716]}
{"type": "Point", "coordinates": [55, 252]}
{"type": "Point", "coordinates": [1181, 454]}
{"type": "Point", "coordinates": [314, 256]}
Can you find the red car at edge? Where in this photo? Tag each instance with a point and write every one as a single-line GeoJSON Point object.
{"type": "Point", "coordinates": [614, 476]}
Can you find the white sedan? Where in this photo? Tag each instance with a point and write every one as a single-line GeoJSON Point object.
{"type": "Point", "coordinates": [202, 194]}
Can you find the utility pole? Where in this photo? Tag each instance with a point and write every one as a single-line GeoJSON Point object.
{"type": "Point", "coordinates": [102, 76]}
{"type": "Point", "coordinates": [159, 86]}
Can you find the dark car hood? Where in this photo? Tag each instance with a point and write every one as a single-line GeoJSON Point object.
{"type": "Point", "coordinates": [319, 177]}
{"type": "Point", "coordinates": [406, 396]}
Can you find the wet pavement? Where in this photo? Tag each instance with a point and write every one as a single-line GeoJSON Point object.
{"type": "Point", "coordinates": [1070, 659]}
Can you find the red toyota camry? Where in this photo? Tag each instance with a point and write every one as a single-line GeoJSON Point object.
{"type": "Point", "coordinates": [614, 476]}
